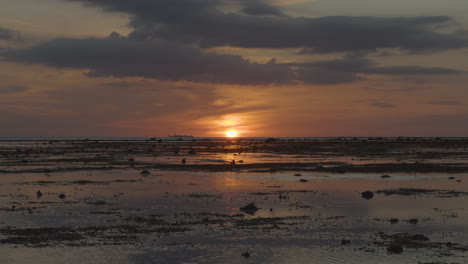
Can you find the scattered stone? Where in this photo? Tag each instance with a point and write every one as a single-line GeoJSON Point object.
{"type": "Point", "coordinates": [298, 175]}
{"type": "Point", "coordinates": [451, 178]}
{"type": "Point", "coordinates": [184, 161]}
{"type": "Point", "coordinates": [62, 196]}
{"type": "Point", "coordinates": [39, 194]}
{"type": "Point", "coordinates": [131, 159]}
{"type": "Point", "coordinates": [413, 221]}
{"type": "Point", "coordinates": [458, 180]}
{"type": "Point", "coordinates": [394, 220]}
{"type": "Point", "coordinates": [145, 172]}
{"type": "Point", "coordinates": [233, 162]}
{"type": "Point", "coordinates": [345, 242]}
{"type": "Point", "coordinates": [367, 195]}
{"type": "Point", "coordinates": [245, 254]}
{"type": "Point", "coordinates": [385, 176]}
{"type": "Point", "coordinates": [395, 249]}
{"type": "Point", "coordinates": [303, 180]}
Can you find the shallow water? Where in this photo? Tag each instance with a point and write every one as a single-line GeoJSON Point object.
{"type": "Point", "coordinates": [121, 216]}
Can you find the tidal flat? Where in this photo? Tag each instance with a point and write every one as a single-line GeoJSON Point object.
{"type": "Point", "coordinates": [340, 200]}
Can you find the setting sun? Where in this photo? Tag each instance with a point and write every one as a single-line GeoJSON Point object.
{"type": "Point", "coordinates": [231, 133]}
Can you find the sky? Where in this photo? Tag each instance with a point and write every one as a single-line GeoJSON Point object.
{"type": "Point", "coordinates": [265, 68]}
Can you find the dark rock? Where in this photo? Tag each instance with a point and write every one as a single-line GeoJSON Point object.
{"type": "Point", "coordinates": [458, 180]}
{"type": "Point", "coordinates": [303, 180]}
{"type": "Point", "coordinates": [249, 209]}
{"type": "Point", "coordinates": [413, 221]}
{"type": "Point", "coordinates": [145, 172]}
{"type": "Point", "coordinates": [184, 161]}
{"type": "Point", "coordinates": [385, 176]}
{"type": "Point", "coordinates": [233, 162]}
{"type": "Point", "coordinates": [131, 159]}
{"type": "Point", "coordinates": [367, 195]}
{"type": "Point", "coordinates": [298, 175]}
{"type": "Point", "coordinates": [39, 194]}
{"type": "Point", "coordinates": [62, 196]}
{"type": "Point", "coordinates": [345, 242]}
{"type": "Point", "coordinates": [395, 249]}
{"type": "Point", "coordinates": [451, 178]}
{"type": "Point", "coordinates": [245, 254]}
{"type": "Point", "coordinates": [394, 220]}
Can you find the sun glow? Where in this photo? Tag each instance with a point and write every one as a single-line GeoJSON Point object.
{"type": "Point", "coordinates": [231, 133]}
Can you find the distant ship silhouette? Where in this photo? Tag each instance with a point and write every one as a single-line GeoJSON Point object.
{"type": "Point", "coordinates": [180, 136]}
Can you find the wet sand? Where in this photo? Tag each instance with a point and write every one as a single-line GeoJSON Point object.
{"type": "Point", "coordinates": [136, 202]}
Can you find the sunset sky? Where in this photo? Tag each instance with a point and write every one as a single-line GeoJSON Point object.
{"type": "Point", "coordinates": [261, 67]}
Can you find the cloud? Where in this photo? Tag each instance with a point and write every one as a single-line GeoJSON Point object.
{"type": "Point", "coordinates": [12, 89]}
{"type": "Point", "coordinates": [444, 102]}
{"type": "Point", "coordinates": [150, 59]}
{"type": "Point", "coordinates": [353, 67]}
{"type": "Point", "coordinates": [8, 34]}
{"type": "Point", "coordinates": [380, 104]}
{"type": "Point", "coordinates": [202, 22]}
{"type": "Point", "coordinates": [260, 7]}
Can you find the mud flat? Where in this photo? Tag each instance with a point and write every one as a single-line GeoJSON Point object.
{"type": "Point", "coordinates": [247, 201]}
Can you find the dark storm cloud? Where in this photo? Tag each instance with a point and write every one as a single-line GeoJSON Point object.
{"type": "Point", "coordinates": [202, 22]}
{"type": "Point", "coordinates": [149, 59]}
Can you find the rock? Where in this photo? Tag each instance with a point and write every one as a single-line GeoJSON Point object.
{"type": "Point", "coordinates": [451, 178]}
{"type": "Point", "coordinates": [192, 152]}
{"type": "Point", "coordinates": [385, 176]}
{"type": "Point", "coordinates": [394, 220]}
{"type": "Point", "coordinates": [345, 242]}
{"type": "Point", "coordinates": [249, 209]}
{"type": "Point", "coordinates": [419, 237]}
{"type": "Point", "coordinates": [39, 194]}
{"type": "Point", "coordinates": [145, 172]}
{"type": "Point", "coordinates": [413, 221]}
{"type": "Point", "coordinates": [233, 162]}
{"type": "Point", "coordinates": [367, 195]}
{"type": "Point", "coordinates": [298, 175]}
{"type": "Point", "coordinates": [458, 180]}
{"type": "Point", "coordinates": [131, 159]}
{"type": "Point", "coordinates": [62, 196]}
{"type": "Point", "coordinates": [245, 254]}
{"type": "Point", "coordinates": [184, 161]}
{"type": "Point", "coordinates": [303, 180]}
{"type": "Point", "coordinates": [395, 249]}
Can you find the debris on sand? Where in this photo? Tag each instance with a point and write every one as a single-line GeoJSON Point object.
{"type": "Point", "coordinates": [303, 180]}
{"type": "Point", "coordinates": [298, 175]}
{"type": "Point", "coordinates": [345, 242]}
{"type": "Point", "coordinates": [245, 254]}
{"type": "Point", "coordinates": [249, 209]}
{"type": "Point", "coordinates": [451, 178]}
{"type": "Point", "coordinates": [367, 195]}
{"type": "Point", "coordinates": [39, 194]}
{"type": "Point", "coordinates": [413, 191]}
{"type": "Point", "coordinates": [62, 196]}
{"type": "Point", "coordinates": [394, 249]}
{"type": "Point", "coordinates": [145, 172]}
{"type": "Point", "coordinates": [385, 176]}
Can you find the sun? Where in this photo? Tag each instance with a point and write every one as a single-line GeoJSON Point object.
{"type": "Point", "coordinates": [231, 133]}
